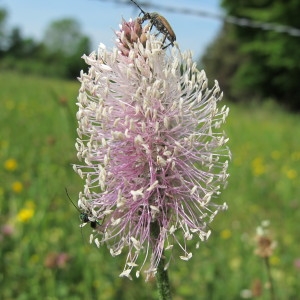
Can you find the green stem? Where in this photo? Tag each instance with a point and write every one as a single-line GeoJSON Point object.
{"type": "Point", "coordinates": [162, 279]}
{"type": "Point", "coordinates": [270, 279]}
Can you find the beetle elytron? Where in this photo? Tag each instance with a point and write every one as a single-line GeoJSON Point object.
{"type": "Point", "coordinates": [161, 24]}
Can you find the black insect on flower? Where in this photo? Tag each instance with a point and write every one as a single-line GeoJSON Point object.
{"type": "Point", "coordinates": [84, 216]}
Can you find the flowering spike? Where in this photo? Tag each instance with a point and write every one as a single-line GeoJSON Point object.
{"type": "Point", "coordinates": [152, 152]}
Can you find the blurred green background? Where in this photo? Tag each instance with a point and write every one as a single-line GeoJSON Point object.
{"type": "Point", "coordinates": [44, 252]}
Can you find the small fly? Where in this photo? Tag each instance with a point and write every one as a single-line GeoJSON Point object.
{"type": "Point", "coordinates": [83, 216]}
{"type": "Point", "coordinates": [160, 23]}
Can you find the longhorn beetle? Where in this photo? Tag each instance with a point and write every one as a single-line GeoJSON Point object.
{"type": "Point", "coordinates": [161, 24]}
{"type": "Point", "coordinates": [83, 216]}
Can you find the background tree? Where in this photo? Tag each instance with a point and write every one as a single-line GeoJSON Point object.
{"type": "Point", "coordinates": [266, 62]}
{"type": "Point", "coordinates": [3, 44]}
{"type": "Point", "coordinates": [59, 54]}
{"type": "Point", "coordinates": [65, 45]}
{"type": "Point", "coordinates": [222, 60]}
{"type": "Point", "coordinates": [63, 36]}
{"type": "Point", "coordinates": [15, 47]}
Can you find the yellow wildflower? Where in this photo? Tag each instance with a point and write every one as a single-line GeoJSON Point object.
{"type": "Point", "coordinates": [275, 154]}
{"type": "Point", "coordinates": [235, 263]}
{"type": "Point", "coordinates": [17, 187]}
{"type": "Point", "coordinates": [274, 260]}
{"type": "Point", "coordinates": [34, 259]}
{"type": "Point", "coordinates": [10, 164]}
{"type": "Point", "coordinates": [258, 166]}
{"type": "Point", "coordinates": [225, 234]}
{"type": "Point", "coordinates": [25, 214]}
{"type": "Point", "coordinates": [295, 156]}
{"type": "Point", "coordinates": [291, 174]}
{"type": "Point", "coordinates": [9, 104]}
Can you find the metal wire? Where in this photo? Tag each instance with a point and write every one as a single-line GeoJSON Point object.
{"type": "Point", "coordinates": [293, 31]}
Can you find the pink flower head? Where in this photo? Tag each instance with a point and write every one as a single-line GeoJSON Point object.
{"type": "Point", "coordinates": [152, 151]}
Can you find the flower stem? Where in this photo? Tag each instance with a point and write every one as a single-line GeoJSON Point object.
{"type": "Point", "coordinates": [270, 279]}
{"type": "Point", "coordinates": [162, 279]}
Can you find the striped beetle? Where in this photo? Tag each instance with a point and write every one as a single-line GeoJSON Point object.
{"type": "Point", "coordinates": [161, 24]}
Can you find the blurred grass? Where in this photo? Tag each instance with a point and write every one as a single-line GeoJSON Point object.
{"type": "Point", "coordinates": [44, 254]}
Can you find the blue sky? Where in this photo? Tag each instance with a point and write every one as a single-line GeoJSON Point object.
{"type": "Point", "coordinates": [98, 19]}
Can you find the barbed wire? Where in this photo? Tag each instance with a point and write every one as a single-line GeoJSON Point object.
{"type": "Point", "coordinates": [293, 31]}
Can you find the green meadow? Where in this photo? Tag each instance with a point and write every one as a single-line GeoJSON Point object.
{"type": "Point", "coordinates": [46, 255]}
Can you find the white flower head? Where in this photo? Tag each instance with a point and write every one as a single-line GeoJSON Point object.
{"type": "Point", "coordinates": [152, 151]}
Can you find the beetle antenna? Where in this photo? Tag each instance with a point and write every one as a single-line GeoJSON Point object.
{"type": "Point", "coordinates": [72, 201]}
{"type": "Point", "coordinates": [138, 7]}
